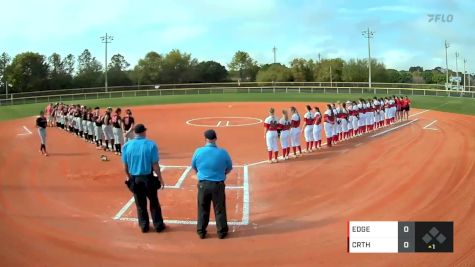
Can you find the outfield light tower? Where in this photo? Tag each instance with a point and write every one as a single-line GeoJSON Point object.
{"type": "Point", "coordinates": [106, 39]}
{"type": "Point", "coordinates": [368, 34]}
{"type": "Point", "coordinates": [447, 45]}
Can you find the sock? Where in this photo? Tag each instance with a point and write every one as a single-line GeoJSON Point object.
{"type": "Point", "coordinates": [320, 143]}
{"type": "Point", "coordinates": [295, 150]}
{"type": "Point", "coordinates": [311, 145]}
{"type": "Point", "coordinates": [270, 155]}
{"type": "Point", "coordinates": [308, 146]}
{"type": "Point", "coordinates": [329, 142]}
{"type": "Point", "coordinates": [276, 155]}
{"type": "Point", "coordinates": [284, 152]}
{"type": "Point", "coordinates": [119, 147]}
{"type": "Point", "coordinates": [107, 144]}
{"type": "Point", "coordinates": [300, 149]}
{"type": "Point", "coordinates": [288, 151]}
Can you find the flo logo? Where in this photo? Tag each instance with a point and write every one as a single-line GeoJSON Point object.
{"type": "Point", "coordinates": [443, 18]}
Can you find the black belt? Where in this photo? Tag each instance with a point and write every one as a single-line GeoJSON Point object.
{"type": "Point", "coordinates": [208, 181]}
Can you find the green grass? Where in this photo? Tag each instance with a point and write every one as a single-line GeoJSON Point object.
{"type": "Point", "coordinates": [448, 104]}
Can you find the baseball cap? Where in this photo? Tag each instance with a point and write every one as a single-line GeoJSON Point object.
{"type": "Point", "coordinates": [210, 134]}
{"type": "Point", "coordinates": [139, 128]}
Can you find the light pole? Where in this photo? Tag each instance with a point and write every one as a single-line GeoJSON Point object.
{"type": "Point", "coordinates": [369, 34]}
{"type": "Point", "coordinates": [447, 45]}
{"type": "Point", "coordinates": [457, 68]}
{"type": "Point", "coordinates": [107, 39]}
{"type": "Point", "coordinates": [464, 72]}
{"type": "Point", "coordinates": [274, 50]}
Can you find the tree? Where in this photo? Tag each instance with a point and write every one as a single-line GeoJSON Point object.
{"type": "Point", "coordinates": [322, 70]}
{"type": "Point", "coordinates": [393, 76]}
{"type": "Point", "coordinates": [28, 72]}
{"type": "Point", "coordinates": [117, 74]}
{"type": "Point", "coordinates": [210, 71]}
{"type": "Point", "coordinates": [89, 71]}
{"type": "Point", "coordinates": [4, 63]}
{"type": "Point", "coordinates": [178, 67]}
{"type": "Point", "coordinates": [405, 76]}
{"type": "Point", "coordinates": [302, 69]}
{"type": "Point", "coordinates": [355, 70]}
{"type": "Point", "coordinates": [244, 65]}
{"type": "Point", "coordinates": [58, 74]}
{"type": "Point", "coordinates": [68, 63]}
{"type": "Point", "coordinates": [417, 68]}
{"type": "Point", "coordinates": [274, 73]}
{"type": "Point", "coordinates": [148, 70]}
{"type": "Point", "coordinates": [378, 71]}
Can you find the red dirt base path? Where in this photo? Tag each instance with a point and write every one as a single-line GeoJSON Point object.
{"type": "Point", "coordinates": [57, 211]}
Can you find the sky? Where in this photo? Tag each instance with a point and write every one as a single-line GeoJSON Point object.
{"type": "Point", "coordinates": [216, 29]}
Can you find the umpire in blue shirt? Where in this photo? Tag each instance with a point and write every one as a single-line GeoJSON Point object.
{"type": "Point", "coordinates": [211, 164]}
{"type": "Point", "coordinates": [140, 157]}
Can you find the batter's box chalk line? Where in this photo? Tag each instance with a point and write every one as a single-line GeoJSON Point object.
{"type": "Point", "coordinates": [245, 200]}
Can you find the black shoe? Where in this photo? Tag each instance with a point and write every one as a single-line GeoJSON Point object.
{"type": "Point", "coordinates": [144, 229]}
{"type": "Point", "coordinates": [222, 235]}
{"type": "Point", "coordinates": [160, 228]}
{"type": "Point", "coordinates": [202, 235]}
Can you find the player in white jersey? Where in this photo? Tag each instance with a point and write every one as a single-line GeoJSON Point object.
{"type": "Point", "coordinates": [270, 134]}
{"type": "Point", "coordinates": [381, 112]}
{"type": "Point", "coordinates": [329, 118]}
{"type": "Point", "coordinates": [355, 119]}
{"type": "Point", "coordinates": [344, 122]}
{"type": "Point", "coordinates": [308, 128]}
{"type": "Point", "coordinates": [295, 131]}
{"type": "Point", "coordinates": [376, 113]}
{"type": "Point", "coordinates": [361, 117]}
{"type": "Point", "coordinates": [284, 128]}
{"type": "Point", "coordinates": [349, 108]}
{"type": "Point", "coordinates": [317, 128]}
{"type": "Point", "coordinates": [368, 116]}
{"type": "Point", "coordinates": [336, 125]}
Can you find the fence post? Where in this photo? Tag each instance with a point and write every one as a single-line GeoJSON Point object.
{"type": "Point", "coordinates": [286, 90]}
{"type": "Point", "coordinates": [337, 91]}
{"type": "Point", "coordinates": [424, 92]}
{"type": "Point", "coordinates": [261, 90]}
{"type": "Point", "coordinates": [300, 90]}
{"type": "Point", "coordinates": [312, 90]}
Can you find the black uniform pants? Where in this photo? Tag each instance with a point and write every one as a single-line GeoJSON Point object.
{"type": "Point", "coordinates": [208, 192]}
{"type": "Point", "coordinates": [146, 187]}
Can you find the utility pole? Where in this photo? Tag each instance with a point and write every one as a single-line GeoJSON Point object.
{"type": "Point", "coordinates": [319, 58]}
{"type": "Point", "coordinates": [107, 39]}
{"type": "Point", "coordinates": [457, 68]}
{"type": "Point", "coordinates": [447, 45]}
{"type": "Point", "coordinates": [274, 50]}
{"type": "Point", "coordinates": [369, 34]}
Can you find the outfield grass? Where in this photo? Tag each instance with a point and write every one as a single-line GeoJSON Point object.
{"type": "Point", "coordinates": [448, 104]}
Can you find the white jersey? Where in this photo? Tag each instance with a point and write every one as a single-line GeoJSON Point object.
{"type": "Point", "coordinates": [270, 120]}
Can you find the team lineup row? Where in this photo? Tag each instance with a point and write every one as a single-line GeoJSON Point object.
{"type": "Point", "coordinates": [340, 121]}
{"type": "Point", "coordinates": [109, 131]}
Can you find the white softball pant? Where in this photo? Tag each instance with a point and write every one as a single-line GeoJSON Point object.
{"type": "Point", "coordinates": [317, 132]}
{"type": "Point", "coordinates": [308, 133]}
{"type": "Point", "coordinates": [271, 141]}
{"type": "Point", "coordinates": [295, 137]}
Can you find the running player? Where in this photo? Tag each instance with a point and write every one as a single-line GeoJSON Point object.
{"type": "Point", "coordinates": [128, 123]}
{"type": "Point", "coordinates": [308, 128]}
{"type": "Point", "coordinates": [284, 126]}
{"type": "Point", "coordinates": [41, 123]}
{"type": "Point", "coordinates": [317, 128]}
{"type": "Point", "coordinates": [329, 118]}
{"type": "Point", "coordinates": [295, 131]}
{"type": "Point", "coordinates": [270, 134]}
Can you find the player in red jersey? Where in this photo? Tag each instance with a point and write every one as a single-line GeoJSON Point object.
{"type": "Point", "coordinates": [406, 103]}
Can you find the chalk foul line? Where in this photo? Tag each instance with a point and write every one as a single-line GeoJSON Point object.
{"type": "Point", "coordinates": [28, 132]}
{"type": "Point", "coordinates": [427, 127]}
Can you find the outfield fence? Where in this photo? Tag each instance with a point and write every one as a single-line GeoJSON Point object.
{"type": "Point", "coordinates": [72, 95]}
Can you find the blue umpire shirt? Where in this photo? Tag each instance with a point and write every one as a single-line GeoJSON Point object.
{"type": "Point", "coordinates": [211, 163]}
{"type": "Point", "coordinates": [140, 154]}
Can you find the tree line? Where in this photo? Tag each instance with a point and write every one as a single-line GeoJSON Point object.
{"type": "Point", "coordinates": [31, 71]}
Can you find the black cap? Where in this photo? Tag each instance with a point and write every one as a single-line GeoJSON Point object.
{"type": "Point", "coordinates": [210, 134]}
{"type": "Point", "coordinates": [139, 128]}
